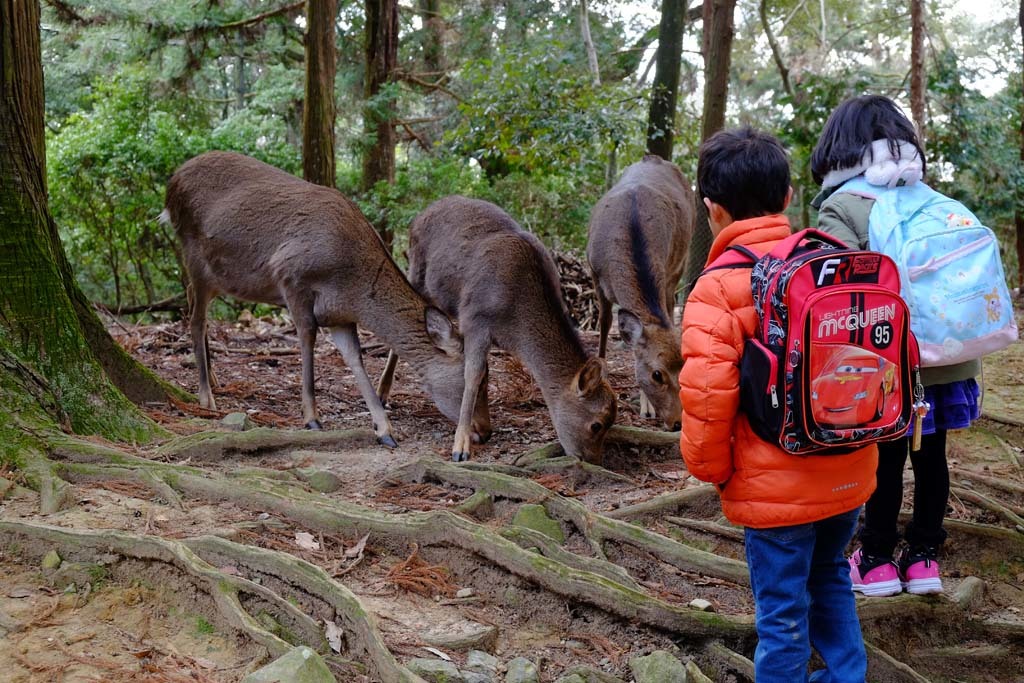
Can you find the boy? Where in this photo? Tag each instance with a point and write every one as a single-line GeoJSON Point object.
{"type": "Point", "coordinates": [799, 512]}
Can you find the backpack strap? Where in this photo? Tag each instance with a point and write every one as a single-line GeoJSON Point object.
{"type": "Point", "coordinates": [736, 256]}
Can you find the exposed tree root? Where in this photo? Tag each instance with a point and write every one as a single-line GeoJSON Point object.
{"type": "Point", "coordinates": [218, 445]}
{"type": "Point", "coordinates": [597, 528]}
{"type": "Point", "coordinates": [731, 533]}
{"type": "Point", "coordinates": [226, 590]}
{"type": "Point", "coordinates": [983, 501]}
{"type": "Point", "coordinates": [883, 666]}
{"type": "Point", "coordinates": [441, 527]}
{"type": "Point", "coordinates": [665, 502]}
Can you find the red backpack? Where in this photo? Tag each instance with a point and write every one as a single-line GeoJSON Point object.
{"type": "Point", "coordinates": [834, 365]}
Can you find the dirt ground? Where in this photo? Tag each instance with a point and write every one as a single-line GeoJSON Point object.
{"type": "Point", "coordinates": [142, 621]}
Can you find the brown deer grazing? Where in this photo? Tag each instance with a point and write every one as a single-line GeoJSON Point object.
{"type": "Point", "coordinates": [257, 233]}
{"type": "Point", "coordinates": [639, 236]}
{"type": "Point", "coordinates": [499, 281]}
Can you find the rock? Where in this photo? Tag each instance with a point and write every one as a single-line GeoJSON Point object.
{"type": "Point", "coordinates": [319, 480]}
{"type": "Point", "coordinates": [521, 669]}
{"type": "Point", "coordinates": [467, 636]}
{"type": "Point", "coordinates": [237, 422]}
{"type": "Point", "coordinates": [573, 678]}
{"type": "Point", "coordinates": [464, 593]}
{"type": "Point", "coordinates": [536, 517]}
{"type": "Point", "coordinates": [475, 677]}
{"type": "Point", "coordinates": [435, 670]}
{"type": "Point", "coordinates": [299, 665]}
{"type": "Point", "coordinates": [51, 560]}
{"type": "Point", "coordinates": [657, 667]}
{"type": "Point", "coordinates": [481, 662]}
{"type": "Point", "coordinates": [702, 604]}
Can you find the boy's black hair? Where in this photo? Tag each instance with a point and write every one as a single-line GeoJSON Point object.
{"type": "Point", "coordinates": [851, 129]}
{"type": "Point", "coordinates": [744, 170]}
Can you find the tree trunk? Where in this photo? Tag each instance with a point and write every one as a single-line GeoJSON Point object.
{"type": "Point", "coordinates": [1018, 214]}
{"type": "Point", "coordinates": [433, 40]}
{"type": "Point", "coordinates": [717, 49]}
{"type": "Point", "coordinates": [588, 44]}
{"type": "Point", "coordinates": [54, 350]}
{"type": "Point", "coordinates": [917, 79]}
{"type": "Point", "coordinates": [381, 59]}
{"type": "Point", "coordinates": [318, 112]}
{"type": "Point", "coordinates": [665, 90]}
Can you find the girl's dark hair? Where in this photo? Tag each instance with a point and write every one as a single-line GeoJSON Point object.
{"type": "Point", "coordinates": [851, 129]}
{"type": "Point", "coordinates": [744, 170]}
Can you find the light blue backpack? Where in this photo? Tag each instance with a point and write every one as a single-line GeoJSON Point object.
{"type": "Point", "coordinates": [950, 270]}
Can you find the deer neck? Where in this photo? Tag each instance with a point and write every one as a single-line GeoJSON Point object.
{"type": "Point", "coordinates": [553, 359]}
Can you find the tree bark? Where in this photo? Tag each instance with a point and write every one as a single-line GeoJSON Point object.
{"type": "Point", "coordinates": [319, 111]}
{"type": "Point", "coordinates": [381, 59]}
{"type": "Point", "coordinates": [917, 79]}
{"type": "Point", "coordinates": [588, 44]}
{"type": "Point", "coordinates": [717, 49]}
{"type": "Point", "coordinates": [52, 344]}
{"type": "Point", "coordinates": [433, 40]}
{"type": "Point", "coordinates": [665, 90]}
{"type": "Point", "coordinates": [1018, 214]}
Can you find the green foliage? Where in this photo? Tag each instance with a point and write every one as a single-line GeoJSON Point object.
{"type": "Point", "coordinates": [204, 627]}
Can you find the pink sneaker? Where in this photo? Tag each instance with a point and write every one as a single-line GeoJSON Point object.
{"type": "Point", "coordinates": [874, 576]}
{"type": "Point", "coordinates": [919, 572]}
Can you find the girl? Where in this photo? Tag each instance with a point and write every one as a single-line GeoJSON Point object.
{"type": "Point", "coordinates": [870, 136]}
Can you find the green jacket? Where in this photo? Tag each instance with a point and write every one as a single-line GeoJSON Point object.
{"type": "Point", "coordinates": [845, 216]}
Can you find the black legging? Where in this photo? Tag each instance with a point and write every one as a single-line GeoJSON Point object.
{"type": "Point", "coordinates": [880, 534]}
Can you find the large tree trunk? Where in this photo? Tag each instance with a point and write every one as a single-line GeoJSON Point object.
{"type": "Point", "coordinates": [717, 48]}
{"type": "Point", "coordinates": [433, 38]}
{"type": "Point", "coordinates": [917, 80]}
{"type": "Point", "coordinates": [381, 59]}
{"type": "Point", "coordinates": [1018, 214]}
{"type": "Point", "coordinates": [665, 90]}
{"type": "Point", "coordinates": [53, 349]}
{"type": "Point", "coordinates": [318, 112]}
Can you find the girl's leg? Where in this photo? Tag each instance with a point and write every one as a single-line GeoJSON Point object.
{"type": "Point", "coordinates": [834, 627]}
{"type": "Point", "coordinates": [880, 533]}
{"type": "Point", "coordinates": [931, 493]}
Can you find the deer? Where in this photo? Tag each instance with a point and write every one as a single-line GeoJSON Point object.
{"type": "Point", "coordinates": [257, 233]}
{"type": "Point", "coordinates": [637, 244]}
{"type": "Point", "coordinates": [501, 285]}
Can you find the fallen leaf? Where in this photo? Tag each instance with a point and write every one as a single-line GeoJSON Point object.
{"type": "Point", "coordinates": [435, 651]}
{"type": "Point", "coordinates": [357, 549]}
{"type": "Point", "coordinates": [334, 635]}
{"type": "Point", "coordinates": [230, 570]}
{"type": "Point", "coordinates": [306, 541]}
{"type": "Point", "coordinates": [20, 593]}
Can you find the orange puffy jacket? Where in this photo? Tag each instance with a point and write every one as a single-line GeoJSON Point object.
{"type": "Point", "coordinates": [761, 485]}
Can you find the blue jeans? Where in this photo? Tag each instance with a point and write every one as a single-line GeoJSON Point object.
{"type": "Point", "coordinates": [803, 597]}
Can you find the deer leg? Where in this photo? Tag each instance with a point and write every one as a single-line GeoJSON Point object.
{"type": "Point", "coordinates": [347, 341]}
{"type": "Point", "coordinates": [305, 326]}
{"type": "Point", "coordinates": [481, 413]}
{"type": "Point", "coordinates": [200, 348]}
{"type": "Point", "coordinates": [475, 371]}
{"type": "Point", "coordinates": [604, 319]}
{"type": "Point", "coordinates": [387, 377]}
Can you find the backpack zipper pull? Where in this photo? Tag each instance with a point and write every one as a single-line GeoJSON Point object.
{"type": "Point", "coordinates": [920, 408]}
{"type": "Point", "coordinates": [775, 397]}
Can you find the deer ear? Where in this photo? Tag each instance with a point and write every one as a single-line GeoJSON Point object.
{"type": "Point", "coordinates": [630, 328]}
{"type": "Point", "coordinates": [442, 332]}
{"type": "Point", "coordinates": [590, 376]}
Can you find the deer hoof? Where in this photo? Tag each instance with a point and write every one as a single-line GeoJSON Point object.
{"type": "Point", "coordinates": [387, 440]}
{"type": "Point", "coordinates": [460, 457]}
{"type": "Point", "coordinates": [314, 425]}
{"type": "Point", "coordinates": [480, 437]}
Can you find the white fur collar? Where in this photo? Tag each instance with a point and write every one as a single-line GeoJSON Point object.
{"type": "Point", "coordinates": [880, 167]}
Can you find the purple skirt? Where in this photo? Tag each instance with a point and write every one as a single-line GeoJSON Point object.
{"type": "Point", "coordinates": [953, 406]}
